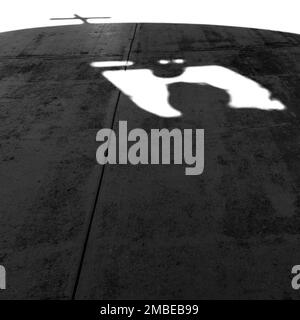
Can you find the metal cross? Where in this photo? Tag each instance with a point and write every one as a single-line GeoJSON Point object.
{"type": "Point", "coordinates": [83, 19]}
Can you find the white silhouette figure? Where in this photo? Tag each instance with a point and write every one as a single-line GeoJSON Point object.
{"type": "Point", "coordinates": [150, 92]}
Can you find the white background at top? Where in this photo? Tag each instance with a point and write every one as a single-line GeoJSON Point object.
{"type": "Point", "coordinates": [263, 14]}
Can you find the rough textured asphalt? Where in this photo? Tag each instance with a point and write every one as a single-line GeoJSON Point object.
{"type": "Point", "coordinates": [73, 229]}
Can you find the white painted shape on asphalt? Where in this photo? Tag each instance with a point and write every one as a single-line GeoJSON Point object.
{"type": "Point", "coordinates": [163, 61]}
{"type": "Point", "coordinates": [105, 64]}
{"type": "Point", "coordinates": [151, 94]}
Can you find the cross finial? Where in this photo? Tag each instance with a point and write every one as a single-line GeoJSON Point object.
{"type": "Point", "coordinates": [83, 19]}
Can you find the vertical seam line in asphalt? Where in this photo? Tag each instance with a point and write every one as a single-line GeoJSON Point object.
{"type": "Point", "coordinates": [92, 213]}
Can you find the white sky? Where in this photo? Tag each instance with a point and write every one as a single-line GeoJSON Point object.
{"type": "Point", "coordinates": [264, 14]}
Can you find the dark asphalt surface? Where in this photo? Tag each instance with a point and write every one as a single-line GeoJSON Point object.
{"type": "Point", "coordinates": [71, 228]}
